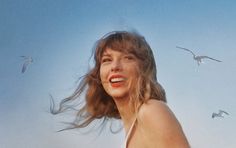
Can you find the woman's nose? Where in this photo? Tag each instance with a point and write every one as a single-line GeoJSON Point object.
{"type": "Point", "coordinates": [116, 66]}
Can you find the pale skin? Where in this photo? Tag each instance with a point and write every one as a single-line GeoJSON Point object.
{"type": "Point", "coordinates": [156, 125]}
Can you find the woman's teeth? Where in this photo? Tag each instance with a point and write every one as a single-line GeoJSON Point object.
{"type": "Point", "coordinates": [114, 80]}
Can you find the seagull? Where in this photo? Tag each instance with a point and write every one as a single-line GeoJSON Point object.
{"type": "Point", "coordinates": [198, 58]}
{"type": "Point", "coordinates": [27, 60]}
{"type": "Point", "coordinates": [219, 114]}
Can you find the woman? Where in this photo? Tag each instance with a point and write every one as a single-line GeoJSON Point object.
{"type": "Point", "coordinates": [123, 85]}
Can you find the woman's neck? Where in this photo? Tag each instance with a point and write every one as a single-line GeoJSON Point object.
{"type": "Point", "coordinates": [126, 111]}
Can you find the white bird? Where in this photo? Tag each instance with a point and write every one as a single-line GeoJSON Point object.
{"type": "Point", "coordinates": [219, 114]}
{"type": "Point", "coordinates": [27, 60]}
{"type": "Point", "coordinates": [198, 58]}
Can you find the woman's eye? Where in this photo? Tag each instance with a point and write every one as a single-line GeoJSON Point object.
{"type": "Point", "coordinates": [129, 57]}
{"type": "Point", "coordinates": [106, 60]}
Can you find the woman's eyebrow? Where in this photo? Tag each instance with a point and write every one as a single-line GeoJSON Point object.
{"type": "Point", "coordinates": [130, 53]}
{"type": "Point", "coordinates": [106, 54]}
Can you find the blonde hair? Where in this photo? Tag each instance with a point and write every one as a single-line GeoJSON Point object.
{"type": "Point", "coordinates": [98, 104]}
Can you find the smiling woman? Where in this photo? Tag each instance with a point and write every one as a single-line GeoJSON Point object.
{"type": "Point", "coordinates": [123, 85]}
{"type": "Point", "coordinates": [117, 70]}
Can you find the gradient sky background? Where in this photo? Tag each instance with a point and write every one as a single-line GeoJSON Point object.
{"type": "Point", "coordinates": [59, 35]}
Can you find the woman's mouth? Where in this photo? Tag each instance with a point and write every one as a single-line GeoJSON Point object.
{"type": "Point", "coordinates": [117, 81]}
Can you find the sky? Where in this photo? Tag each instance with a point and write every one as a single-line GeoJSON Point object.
{"type": "Point", "coordinates": [60, 35]}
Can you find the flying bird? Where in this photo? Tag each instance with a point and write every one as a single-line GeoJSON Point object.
{"type": "Point", "coordinates": [219, 114]}
{"type": "Point", "coordinates": [198, 58]}
{"type": "Point", "coordinates": [27, 61]}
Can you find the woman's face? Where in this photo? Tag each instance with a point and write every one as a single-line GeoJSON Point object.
{"type": "Point", "coordinates": [117, 70]}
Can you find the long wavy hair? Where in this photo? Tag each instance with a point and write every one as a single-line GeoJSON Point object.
{"type": "Point", "coordinates": [98, 104]}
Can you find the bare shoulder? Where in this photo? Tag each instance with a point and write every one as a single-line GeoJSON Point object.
{"type": "Point", "coordinates": [159, 122]}
{"type": "Point", "coordinates": [154, 112]}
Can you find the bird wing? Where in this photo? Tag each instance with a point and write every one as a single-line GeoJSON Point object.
{"type": "Point", "coordinates": [221, 111]}
{"type": "Point", "coordinates": [186, 50]}
{"type": "Point", "coordinates": [25, 65]}
{"type": "Point", "coordinates": [25, 57]}
{"type": "Point", "coordinates": [213, 115]}
{"type": "Point", "coordinates": [206, 57]}
{"type": "Point", "coordinates": [28, 60]}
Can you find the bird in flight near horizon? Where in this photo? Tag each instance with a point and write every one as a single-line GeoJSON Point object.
{"type": "Point", "coordinates": [27, 61]}
{"type": "Point", "coordinates": [198, 58]}
{"type": "Point", "coordinates": [219, 114]}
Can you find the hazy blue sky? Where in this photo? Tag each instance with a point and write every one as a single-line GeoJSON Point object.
{"type": "Point", "coordinates": [59, 35]}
